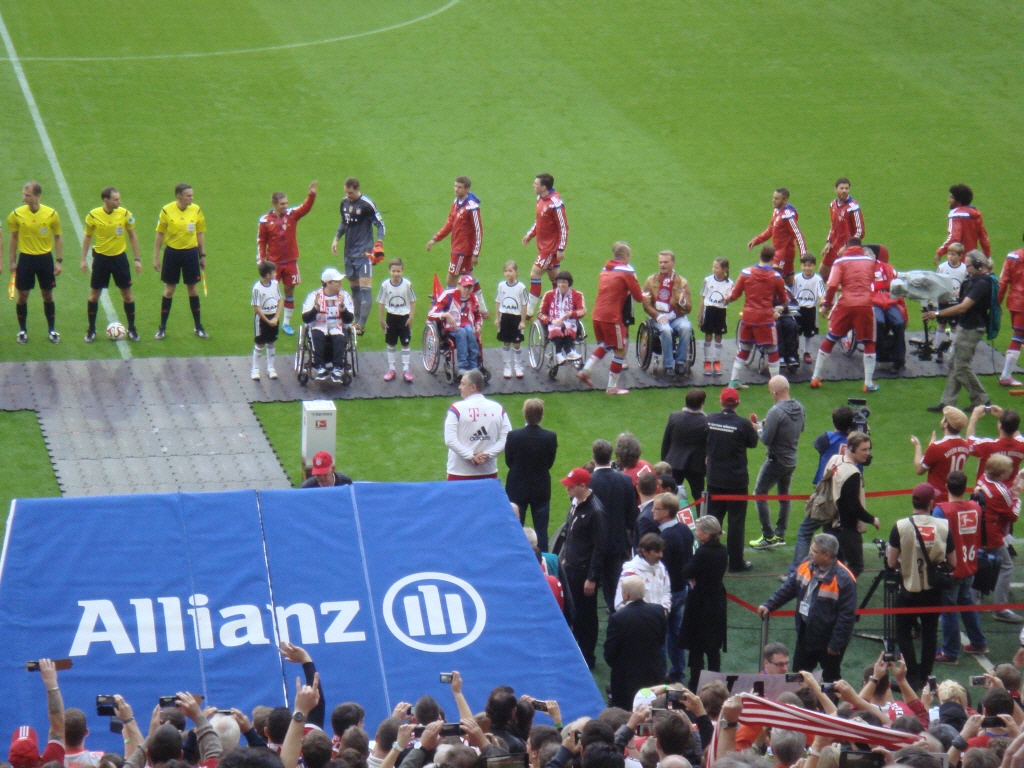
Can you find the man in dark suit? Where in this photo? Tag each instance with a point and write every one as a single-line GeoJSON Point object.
{"type": "Point", "coordinates": [618, 497]}
{"type": "Point", "coordinates": [677, 549]}
{"type": "Point", "coordinates": [633, 644]}
{"type": "Point", "coordinates": [529, 455]}
{"type": "Point", "coordinates": [685, 442]}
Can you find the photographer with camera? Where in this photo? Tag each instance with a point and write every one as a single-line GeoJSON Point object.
{"type": "Point", "coordinates": [826, 593]}
{"type": "Point", "coordinates": [918, 547]}
{"type": "Point", "coordinates": [24, 751]}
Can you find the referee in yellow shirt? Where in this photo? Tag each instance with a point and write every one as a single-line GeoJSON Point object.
{"type": "Point", "coordinates": [110, 225]}
{"type": "Point", "coordinates": [35, 238]}
{"type": "Point", "coordinates": [183, 227]}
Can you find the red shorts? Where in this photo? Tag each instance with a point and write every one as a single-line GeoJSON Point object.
{"type": "Point", "coordinates": [831, 256]}
{"type": "Point", "coordinates": [614, 335]}
{"type": "Point", "coordinates": [764, 335]}
{"type": "Point", "coordinates": [548, 261]}
{"type": "Point", "coordinates": [860, 319]}
{"type": "Point", "coordinates": [784, 263]}
{"type": "Point", "coordinates": [461, 264]}
{"type": "Point", "coordinates": [1017, 323]}
{"type": "Point", "coordinates": [472, 477]}
{"type": "Point", "coordinates": [288, 274]}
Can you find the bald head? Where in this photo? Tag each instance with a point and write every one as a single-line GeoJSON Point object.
{"type": "Point", "coordinates": [674, 761]}
{"type": "Point", "coordinates": [778, 388]}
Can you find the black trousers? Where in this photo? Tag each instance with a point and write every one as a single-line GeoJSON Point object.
{"type": "Point", "coordinates": [807, 660]}
{"type": "Point", "coordinates": [736, 512]}
{"type": "Point", "coordinates": [695, 480]}
{"type": "Point", "coordinates": [584, 625]}
{"type": "Point", "coordinates": [918, 669]}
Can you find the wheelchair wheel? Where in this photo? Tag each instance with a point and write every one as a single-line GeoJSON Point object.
{"type": "Point", "coordinates": [581, 349]}
{"type": "Point", "coordinates": [644, 345]}
{"type": "Point", "coordinates": [692, 356]}
{"type": "Point", "coordinates": [448, 360]}
{"type": "Point", "coordinates": [848, 343]}
{"type": "Point", "coordinates": [302, 363]}
{"type": "Point", "coordinates": [537, 342]}
{"type": "Point", "coordinates": [431, 349]}
{"type": "Point", "coordinates": [484, 372]}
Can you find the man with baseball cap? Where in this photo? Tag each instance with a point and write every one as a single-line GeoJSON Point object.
{"type": "Point", "coordinates": [945, 454]}
{"type": "Point", "coordinates": [328, 310]}
{"type": "Point", "coordinates": [459, 310]}
{"type": "Point", "coordinates": [915, 542]}
{"type": "Point", "coordinates": [730, 436]}
{"type": "Point", "coordinates": [582, 556]}
{"type": "Point", "coordinates": [323, 475]}
{"type": "Point", "coordinates": [24, 751]}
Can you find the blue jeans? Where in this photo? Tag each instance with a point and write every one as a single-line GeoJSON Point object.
{"type": "Point", "coordinates": [466, 350]}
{"type": "Point", "coordinates": [960, 594]}
{"type": "Point", "coordinates": [676, 655]}
{"type": "Point", "coordinates": [803, 542]}
{"type": "Point", "coordinates": [773, 474]}
{"type": "Point", "coordinates": [679, 356]}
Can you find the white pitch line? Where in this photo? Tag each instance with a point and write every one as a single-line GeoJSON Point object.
{"type": "Point", "coordinates": [240, 51]}
{"type": "Point", "coordinates": [62, 184]}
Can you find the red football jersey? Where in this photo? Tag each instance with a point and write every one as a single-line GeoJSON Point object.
{"type": "Point", "coordinates": [946, 454]}
{"type": "Point", "coordinates": [551, 227]}
{"type": "Point", "coordinates": [785, 234]}
{"type": "Point", "coordinates": [764, 288]}
{"type": "Point", "coordinates": [967, 228]}
{"type": "Point", "coordinates": [616, 281]}
{"type": "Point", "coordinates": [854, 272]}
{"type": "Point", "coordinates": [275, 240]}
{"type": "Point", "coordinates": [847, 221]}
{"type": "Point", "coordinates": [1001, 510]}
{"type": "Point", "coordinates": [964, 518]}
{"type": "Point", "coordinates": [983, 447]}
{"type": "Point", "coordinates": [465, 227]}
{"type": "Point", "coordinates": [1011, 280]}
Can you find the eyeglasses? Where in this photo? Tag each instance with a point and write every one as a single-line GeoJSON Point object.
{"type": "Point", "coordinates": [783, 663]}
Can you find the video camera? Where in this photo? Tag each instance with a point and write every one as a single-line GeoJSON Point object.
{"type": "Point", "coordinates": [861, 412]}
{"type": "Point", "coordinates": [882, 547]}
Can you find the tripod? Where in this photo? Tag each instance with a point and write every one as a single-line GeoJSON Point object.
{"type": "Point", "coordinates": [924, 347]}
{"type": "Point", "coordinates": [889, 578]}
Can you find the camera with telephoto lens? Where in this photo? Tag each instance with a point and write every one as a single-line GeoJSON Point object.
{"type": "Point", "coordinates": [861, 413]}
{"type": "Point", "coordinates": [882, 545]}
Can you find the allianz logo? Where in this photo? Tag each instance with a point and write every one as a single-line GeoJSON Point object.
{"type": "Point", "coordinates": [429, 611]}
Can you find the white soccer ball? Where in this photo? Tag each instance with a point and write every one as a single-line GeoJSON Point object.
{"type": "Point", "coordinates": [116, 331]}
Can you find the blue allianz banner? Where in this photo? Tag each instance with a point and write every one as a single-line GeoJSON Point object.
{"type": "Point", "coordinates": [385, 585]}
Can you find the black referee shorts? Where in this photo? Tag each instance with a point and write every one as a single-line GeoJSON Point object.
{"type": "Point", "coordinates": [30, 268]}
{"type": "Point", "coordinates": [104, 267]}
{"type": "Point", "coordinates": [180, 266]}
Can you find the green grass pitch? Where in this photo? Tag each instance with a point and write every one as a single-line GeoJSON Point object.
{"type": "Point", "coordinates": [667, 124]}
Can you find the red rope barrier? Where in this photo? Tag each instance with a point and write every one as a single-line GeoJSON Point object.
{"type": "Point", "coordinates": [796, 496]}
{"type": "Point", "coordinates": [896, 611]}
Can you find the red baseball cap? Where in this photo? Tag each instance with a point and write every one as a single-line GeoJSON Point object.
{"type": "Point", "coordinates": [322, 463]}
{"type": "Point", "coordinates": [730, 396]}
{"type": "Point", "coordinates": [923, 494]}
{"type": "Point", "coordinates": [467, 280]}
{"type": "Point", "coordinates": [24, 748]}
{"type": "Point", "coordinates": [578, 476]}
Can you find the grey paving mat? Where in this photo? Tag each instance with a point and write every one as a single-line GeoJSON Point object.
{"type": "Point", "coordinates": [165, 425]}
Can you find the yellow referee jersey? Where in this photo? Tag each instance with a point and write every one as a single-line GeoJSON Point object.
{"type": "Point", "coordinates": [181, 227]}
{"type": "Point", "coordinates": [109, 230]}
{"type": "Point", "coordinates": [35, 230]}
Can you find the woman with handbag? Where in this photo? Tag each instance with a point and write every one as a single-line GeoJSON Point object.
{"type": "Point", "coordinates": [848, 491]}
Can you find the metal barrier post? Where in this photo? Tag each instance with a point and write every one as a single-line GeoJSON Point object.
{"type": "Point", "coordinates": [764, 639]}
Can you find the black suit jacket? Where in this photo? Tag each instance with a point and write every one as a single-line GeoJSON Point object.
{"type": "Point", "coordinates": [529, 456]}
{"type": "Point", "coordinates": [618, 496]}
{"type": "Point", "coordinates": [632, 648]}
{"type": "Point", "coordinates": [685, 441]}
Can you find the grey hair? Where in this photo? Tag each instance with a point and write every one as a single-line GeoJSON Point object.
{"type": "Point", "coordinates": [633, 588]}
{"type": "Point", "coordinates": [826, 542]}
{"type": "Point", "coordinates": [788, 746]}
{"type": "Point", "coordinates": [474, 377]}
{"type": "Point", "coordinates": [979, 259]}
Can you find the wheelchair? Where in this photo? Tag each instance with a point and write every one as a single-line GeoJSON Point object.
{"type": "Point", "coordinates": [541, 349]}
{"type": "Point", "coordinates": [304, 356]}
{"type": "Point", "coordinates": [438, 351]}
{"type": "Point", "coordinates": [648, 346]}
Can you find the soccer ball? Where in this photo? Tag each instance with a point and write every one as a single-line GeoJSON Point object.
{"type": "Point", "coordinates": [116, 331]}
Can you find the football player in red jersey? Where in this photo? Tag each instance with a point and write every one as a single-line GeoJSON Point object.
{"type": "Point", "coordinates": [847, 221]}
{"type": "Point", "coordinates": [784, 233]}
{"type": "Point", "coordinates": [551, 228]}
{"type": "Point", "coordinates": [765, 289]}
{"type": "Point", "coordinates": [277, 243]}
{"type": "Point", "coordinates": [467, 233]}
{"type": "Point", "coordinates": [965, 223]}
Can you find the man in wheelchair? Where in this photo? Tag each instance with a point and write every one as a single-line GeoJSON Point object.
{"type": "Point", "coordinates": [326, 311]}
{"type": "Point", "coordinates": [890, 318]}
{"type": "Point", "coordinates": [458, 311]}
{"type": "Point", "coordinates": [560, 312]}
{"type": "Point", "coordinates": [667, 300]}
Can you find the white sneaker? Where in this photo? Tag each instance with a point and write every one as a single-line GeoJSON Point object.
{"type": "Point", "coordinates": [573, 356]}
{"type": "Point", "coordinates": [507, 373]}
{"type": "Point", "coordinates": [519, 371]}
{"type": "Point", "coordinates": [559, 358]}
{"type": "Point", "coordinates": [271, 372]}
{"type": "Point", "coordinates": [255, 375]}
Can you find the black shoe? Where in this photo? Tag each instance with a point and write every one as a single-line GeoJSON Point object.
{"type": "Point", "coordinates": [935, 408]}
{"type": "Point", "coordinates": [747, 566]}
